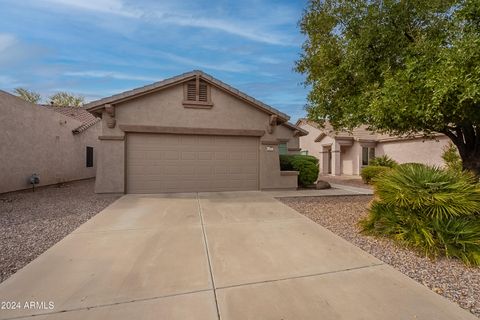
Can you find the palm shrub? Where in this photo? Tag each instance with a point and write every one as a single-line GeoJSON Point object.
{"type": "Point", "coordinates": [434, 211]}
{"type": "Point", "coordinates": [383, 161]}
{"type": "Point", "coordinates": [370, 173]}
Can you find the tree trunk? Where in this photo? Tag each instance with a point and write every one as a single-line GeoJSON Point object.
{"type": "Point", "coordinates": [467, 140]}
{"type": "Point", "coordinates": [472, 163]}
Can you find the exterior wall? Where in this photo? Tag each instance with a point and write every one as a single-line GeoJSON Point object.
{"type": "Point", "coordinates": [351, 159]}
{"type": "Point", "coordinates": [165, 108]}
{"type": "Point", "coordinates": [38, 140]}
{"type": "Point", "coordinates": [415, 150]}
{"type": "Point", "coordinates": [308, 142]}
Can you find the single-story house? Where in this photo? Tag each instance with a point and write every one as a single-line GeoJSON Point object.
{"type": "Point", "coordinates": [56, 143]}
{"type": "Point", "coordinates": [191, 133]}
{"type": "Point", "coordinates": [347, 152]}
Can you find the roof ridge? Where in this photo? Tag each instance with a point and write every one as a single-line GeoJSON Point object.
{"type": "Point", "coordinates": [97, 104]}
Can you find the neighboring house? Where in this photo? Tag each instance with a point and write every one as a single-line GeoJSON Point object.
{"type": "Point", "coordinates": [191, 133]}
{"type": "Point", "coordinates": [347, 152]}
{"type": "Point", "coordinates": [57, 143]}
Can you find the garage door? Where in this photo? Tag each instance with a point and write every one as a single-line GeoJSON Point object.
{"type": "Point", "coordinates": [186, 163]}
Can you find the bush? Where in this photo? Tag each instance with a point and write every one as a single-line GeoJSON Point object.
{"type": "Point", "coordinates": [434, 211]}
{"type": "Point", "coordinates": [286, 160]}
{"type": "Point", "coordinates": [307, 166]}
{"type": "Point", "coordinates": [451, 158]}
{"type": "Point", "coordinates": [383, 161]}
{"type": "Point", "coordinates": [370, 173]}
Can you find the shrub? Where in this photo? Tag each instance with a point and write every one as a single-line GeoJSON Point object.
{"type": "Point", "coordinates": [370, 173]}
{"type": "Point", "coordinates": [307, 166]}
{"type": "Point", "coordinates": [451, 158]}
{"type": "Point", "coordinates": [308, 170]}
{"type": "Point", "coordinates": [383, 161]}
{"type": "Point", "coordinates": [286, 160]}
{"type": "Point", "coordinates": [434, 211]}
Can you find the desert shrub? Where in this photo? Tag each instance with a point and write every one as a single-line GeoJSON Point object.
{"type": "Point", "coordinates": [286, 160]}
{"type": "Point", "coordinates": [370, 173]}
{"type": "Point", "coordinates": [307, 166]}
{"type": "Point", "coordinates": [307, 170]}
{"type": "Point", "coordinates": [383, 161]}
{"type": "Point", "coordinates": [434, 211]}
{"type": "Point", "coordinates": [451, 158]}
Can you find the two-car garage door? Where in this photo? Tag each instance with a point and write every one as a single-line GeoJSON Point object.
{"type": "Point", "coordinates": [158, 163]}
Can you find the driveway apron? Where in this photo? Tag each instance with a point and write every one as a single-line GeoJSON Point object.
{"type": "Point", "coordinates": [229, 255]}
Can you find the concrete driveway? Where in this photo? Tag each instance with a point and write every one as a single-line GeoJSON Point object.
{"type": "Point", "coordinates": [238, 255]}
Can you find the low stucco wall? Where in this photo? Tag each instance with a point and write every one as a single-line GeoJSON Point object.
{"type": "Point", "coordinates": [38, 140]}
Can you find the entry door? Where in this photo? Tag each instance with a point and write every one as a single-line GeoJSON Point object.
{"type": "Point", "coordinates": [158, 163]}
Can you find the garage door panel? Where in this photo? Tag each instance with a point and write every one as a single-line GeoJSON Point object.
{"type": "Point", "coordinates": [187, 163]}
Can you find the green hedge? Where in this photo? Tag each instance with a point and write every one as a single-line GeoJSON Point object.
{"type": "Point", "coordinates": [307, 166]}
{"type": "Point", "coordinates": [432, 210]}
{"type": "Point", "coordinates": [370, 173]}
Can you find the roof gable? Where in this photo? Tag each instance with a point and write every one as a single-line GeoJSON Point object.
{"type": "Point", "coordinates": [98, 105]}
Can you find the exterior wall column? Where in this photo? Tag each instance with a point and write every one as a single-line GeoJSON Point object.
{"type": "Point", "coordinates": [336, 160]}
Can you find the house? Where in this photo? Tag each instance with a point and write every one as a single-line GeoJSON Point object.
{"type": "Point", "coordinates": [347, 152]}
{"type": "Point", "coordinates": [57, 143]}
{"type": "Point", "coordinates": [191, 133]}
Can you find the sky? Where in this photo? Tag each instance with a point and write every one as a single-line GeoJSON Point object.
{"type": "Point", "coordinates": [97, 48]}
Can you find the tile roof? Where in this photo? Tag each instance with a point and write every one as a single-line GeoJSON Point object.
{"type": "Point", "coordinates": [78, 113]}
{"type": "Point", "coordinates": [98, 104]}
{"type": "Point", "coordinates": [358, 133]}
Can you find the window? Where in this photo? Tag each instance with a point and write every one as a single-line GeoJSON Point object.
{"type": "Point", "coordinates": [89, 157]}
{"type": "Point", "coordinates": [367, 154]}
{"type": "Point", "coordinates": [282, 148]}
{"type": "Point", "coordinates": [197, 92]}
{"type": "Point", "coordinates": [304, 152]}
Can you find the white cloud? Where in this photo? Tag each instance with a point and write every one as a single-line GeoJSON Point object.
{"type": "Point", "coordinates": [110, 74]}
{"type": "Point", "coordinates": [229, 66]}
{"type": "Point", "coordinates": [116, 7]}
{"type": "Point", "coordinates": [6, 41]}
{"type": "Point", "coordinates": [251, 29]}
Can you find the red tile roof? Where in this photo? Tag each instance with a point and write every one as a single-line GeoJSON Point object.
{"type": "Point", "coordinates": [77, 113]}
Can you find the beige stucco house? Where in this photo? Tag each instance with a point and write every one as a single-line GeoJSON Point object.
{"type": "Point", "coordinates": [59, 144]}
{"type": "Point", "coordinates": [347, 152]}
{"type": "Point", "coordinates": [191, 133]}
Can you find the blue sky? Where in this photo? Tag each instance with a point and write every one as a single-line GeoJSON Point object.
{"type": "Point", "coordinates": [97, 48]}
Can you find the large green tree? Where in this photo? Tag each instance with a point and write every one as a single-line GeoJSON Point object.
{"type": "Point", "coordinates": [402, 67]}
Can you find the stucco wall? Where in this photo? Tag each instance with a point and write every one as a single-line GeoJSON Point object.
{"type": "Point", "coordinates": [351, 159]}
{"type": "Point", "coordinates": [415, 150]}
{"type": "Point", "coordinates": [165, 108]}
{"type": "Point", "coordinates": [37, 140]}
{"type": "Point", "coordinates": [308, 142]}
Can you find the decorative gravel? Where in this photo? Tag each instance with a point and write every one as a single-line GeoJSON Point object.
{"type": "Point", "coordinates": [447, 277]}
{"type": "Point", "coordinates": [32, 222]}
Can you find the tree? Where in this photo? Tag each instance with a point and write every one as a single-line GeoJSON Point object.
{"type": "Point", "coordinates": [27, 95]}
{"type": "Point", "coordinates": [66, 99]}
{"type": "Point", "coordinates": [401, 67]}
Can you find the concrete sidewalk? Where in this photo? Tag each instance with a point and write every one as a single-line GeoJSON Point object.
{"type": "Point", "coordinates": [234, 255]}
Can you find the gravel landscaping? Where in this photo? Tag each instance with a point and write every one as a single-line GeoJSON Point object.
{"type": "Point", "coordinates": [32, 222]}
{"type": "Point", "coordinates": [447, 277]}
